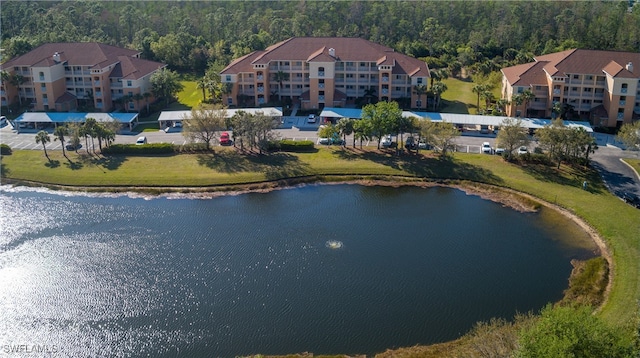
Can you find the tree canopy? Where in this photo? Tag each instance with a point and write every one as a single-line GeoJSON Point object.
{"type": "Point", "coordinates": [188, 35]}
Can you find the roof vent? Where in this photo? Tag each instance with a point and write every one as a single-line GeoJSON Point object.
{"type": "Point", "coordinates": [630, 66]}
{"type": "Point", "coordinates": [332, 52]}
{"type": "Point", "coordinates": [56, 57]}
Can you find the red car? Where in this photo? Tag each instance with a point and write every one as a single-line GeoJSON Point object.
{"type": "Point", "coordinates": [224, 139]}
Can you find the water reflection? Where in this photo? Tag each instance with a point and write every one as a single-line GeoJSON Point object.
{"type": "Point", "coordinates": [258, 273]}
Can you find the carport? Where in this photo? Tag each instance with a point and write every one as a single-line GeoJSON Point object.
{"type": "Point", "coordinates": [34, 121]}
{"type": "Point", "coordinates": [168, 118]}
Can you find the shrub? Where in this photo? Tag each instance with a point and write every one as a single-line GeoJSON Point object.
{"type": "Point", "coordinates": [5, 149]}
{"type": "Point", "coordinates": [295, 146]}
{"type": "Point", "coordinates": [147, 149]}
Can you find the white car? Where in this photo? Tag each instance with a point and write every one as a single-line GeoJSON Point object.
{"type": "Point", "coordinates": [523, 150]}
{"type": "Point", "coordinates": [486, 148]}
{"type": "Point", "coordinates": [325, 141]}
{"type": "Point", "coordinates": [386, 141]}
{"type": "Point", "coordinates": [177, 124]}
{"type": "Point", "coordinates": [141, 140]}
{"type": "Point", "coordinates": [499, 150]}
{"type": "Point", "coordinates": [311, 118]}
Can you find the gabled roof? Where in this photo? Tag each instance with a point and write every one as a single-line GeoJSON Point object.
{"type": "Point", "coordinates": [346, 49]}
{"type": "Point", "coordinates": [526, 74]}
{"type": "Point", "coordinates": [96, 55]}
{"type": "Point", "coordinates": [579, 61]}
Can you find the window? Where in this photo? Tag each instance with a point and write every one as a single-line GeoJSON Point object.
{"type": "Point", "coordinates": [228, 78]}
{"type": "Point", "coordinates": [128, 83]}
{"type": "Point", "coordinates": [575, 77]}
{"type": "Point", "coordinates": [41, 75]}
{"type": "Point", "coordinates": [419, 80]}
{"type": "Point", "coordinates": [43, 87]}
{"type": "Point", "coordinates": [321, 71]}
{"type": "Point", "coordinates": [624, 88]}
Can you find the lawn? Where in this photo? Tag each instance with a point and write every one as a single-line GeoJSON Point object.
{"type": "Point", "coordinates": [190, 96]}
{"type": "Point", "coordinates": [634, 163]}
{"type": "Point", "coordinates": [616, 222]}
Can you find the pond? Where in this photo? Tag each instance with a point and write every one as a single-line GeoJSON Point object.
{"type": "Point", "coordinates": [320, 268]}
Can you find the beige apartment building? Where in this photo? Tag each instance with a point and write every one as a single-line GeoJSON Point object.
{"type": "Point", "coordinates": [62, 76]}
{"type": "Point", "coordinates": [601, 86]}
{"type": "Point", "coordinates": [315, 72]}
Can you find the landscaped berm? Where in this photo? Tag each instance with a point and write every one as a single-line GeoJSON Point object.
{"type": "Point", "coordinates": [613, 279]}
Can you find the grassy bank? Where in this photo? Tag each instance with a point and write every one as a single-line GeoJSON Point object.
{"type": "Point", "coordinates": [616, 222]}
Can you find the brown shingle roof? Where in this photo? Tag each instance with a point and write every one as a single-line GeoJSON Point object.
{"type": "Point", "coordinates": [575, 61]}
{"type": "Point", "coordinates": [93, 54]}
{"type": "Point", "coordinates": [347, 49]}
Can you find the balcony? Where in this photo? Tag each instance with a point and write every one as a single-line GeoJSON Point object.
{"type": "Point", "coordinates": [620, 116]}
{"type": "Point", "coordinates": [385, 91]}
{"type": "Point", "coordinates": [320, 98]}
{"type": "Point", "coordinates": [623, 103]}
{"type": "Point", "coordinates": [556, 91]}
{"type": "Point", "coordinates": [320, 85]}
{"type": "Point", "coordinates": [260, 89]}
{"type": "Point", "coordinates": [600, 83]}
{"type": "Point", "coordinates": [320, 73]}
{"type": "Point", "coordinates": [96, 83]}
{"type": "Point", "coordinates": [623, 90]}
{"type": "Point", "coordinates": [99, 105]}
{"type": "Point", "coordinates": [260, 77]}
{"type": "Point", "coordinates": [98, 94]}
{"type": "Point", "coordinates": [385, 79]}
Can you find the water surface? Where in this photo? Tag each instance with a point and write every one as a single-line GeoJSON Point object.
{"type": "Point", "coordinates": [326, 269]}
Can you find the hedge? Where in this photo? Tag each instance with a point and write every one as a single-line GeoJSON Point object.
{"type": "Point", "coordinates": [288, 145]}
{"type": "Point", "coordinates": [5, 149]}
{"type": "Point", "coordinates": [145, 149]}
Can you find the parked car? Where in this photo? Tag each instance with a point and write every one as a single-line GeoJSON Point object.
{"type": "Point", "coordinates": [141, 140]}
{"type": "Point", "coordinates": [411, 143]}
{"type": "Point", "coordinates": [523, 150]}
{"type": "Point", "coordinates": [177, 124]}
{"type": "Point", "coordinates": [3, 121]}
{"type": "Point", "coordinates": [386, 142]}
{"type": "Point", "coordinates": [73, 147]}
{"type": "Point", "coordinates": [323, 140]}
{"type": "Point", "coordinates": [631, 199]}
{"type": "Point", "coordinates": [499, 150]}
{"type": "Point", "coordinates": [486, 148]}
{"type": "Point", "coordinates": [311, 118]}
{"type": "Point", "coordinates": [422, 144]}
{"type": "Point", "coordinates": [224, 139]}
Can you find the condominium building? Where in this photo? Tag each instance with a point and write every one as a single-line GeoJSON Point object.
{"type": "Point", "coordinates": [62, 76]}
{"type": "Point", "coordinates": [315, 72]}
{"type": "Point", "coordinates": [601, 86]}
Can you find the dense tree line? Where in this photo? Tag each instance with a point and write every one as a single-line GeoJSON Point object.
{"type": "Point", "coordinates": [189, 35]}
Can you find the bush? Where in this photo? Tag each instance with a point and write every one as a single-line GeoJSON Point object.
{"type": "Point", "coordinates": [287, 145]}
{"type": "Point", "coordinates": [147, 149]}
{"type": "Point", "coordinates": [296, 146]}
{"type": "Point", "coordinates": [5, 149]}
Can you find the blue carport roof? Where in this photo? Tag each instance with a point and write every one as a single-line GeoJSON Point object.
{"type": "Point", "coordinates": [69, 117]}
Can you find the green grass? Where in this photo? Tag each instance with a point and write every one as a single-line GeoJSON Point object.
{"type": "Point", "coordinates": [617, 222]}
{"type": "Point", "coordinates": [458, 97]}
{"type": "Point", "coordinates": [634, 163]}
{"type": "Point", "coordinates": [190, 96]}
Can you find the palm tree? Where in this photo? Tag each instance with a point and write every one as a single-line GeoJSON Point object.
{"type": "Point", "coordinates": [419, 90]}
{"type": "Point", "coordinates": [280, 77]}
{"type": "Point", "coordinates": [502, 104]}
{"type": "Point", "coordinates": [345, 126]}
{"type": "Point", "coordinates": [438, 74]}
{"type": "Point", "coordinates": [146, 96]}
{"type": "Point", "coordinates": [138, 97]}
{"type": "Point", "coordinates": [488, 97]}
{"type": "Point", "coordinates": [43, 137]}
{"type": "Point", "coordinates": [17, 80]}
{"type": "Point", "coordinates": [369, 93]}
{"type": "Point", "coordinates": [527, 96]}
{"type": "Point", "coordinates": [201, 83]}
{"type": "Point", "coordinates": [478, 89]}
{"type": "Point", "coordinates": [438, 88]}
{"type": "Point", "coordinates": [59, 134]}
{"type": "Point", "coordinates": [517, 100]}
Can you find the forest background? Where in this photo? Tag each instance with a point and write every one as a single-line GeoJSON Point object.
{"type": "Point", "coordinates": [191, 36]}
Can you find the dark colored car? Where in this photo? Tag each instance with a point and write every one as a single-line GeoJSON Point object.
{"type": "Point", "coordinates": [631, 199]}
{"type": "Point", "coordinates": [73, 147]}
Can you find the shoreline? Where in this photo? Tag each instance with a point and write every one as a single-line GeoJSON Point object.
{"type": "Point", "coordinates": [510, 198]}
